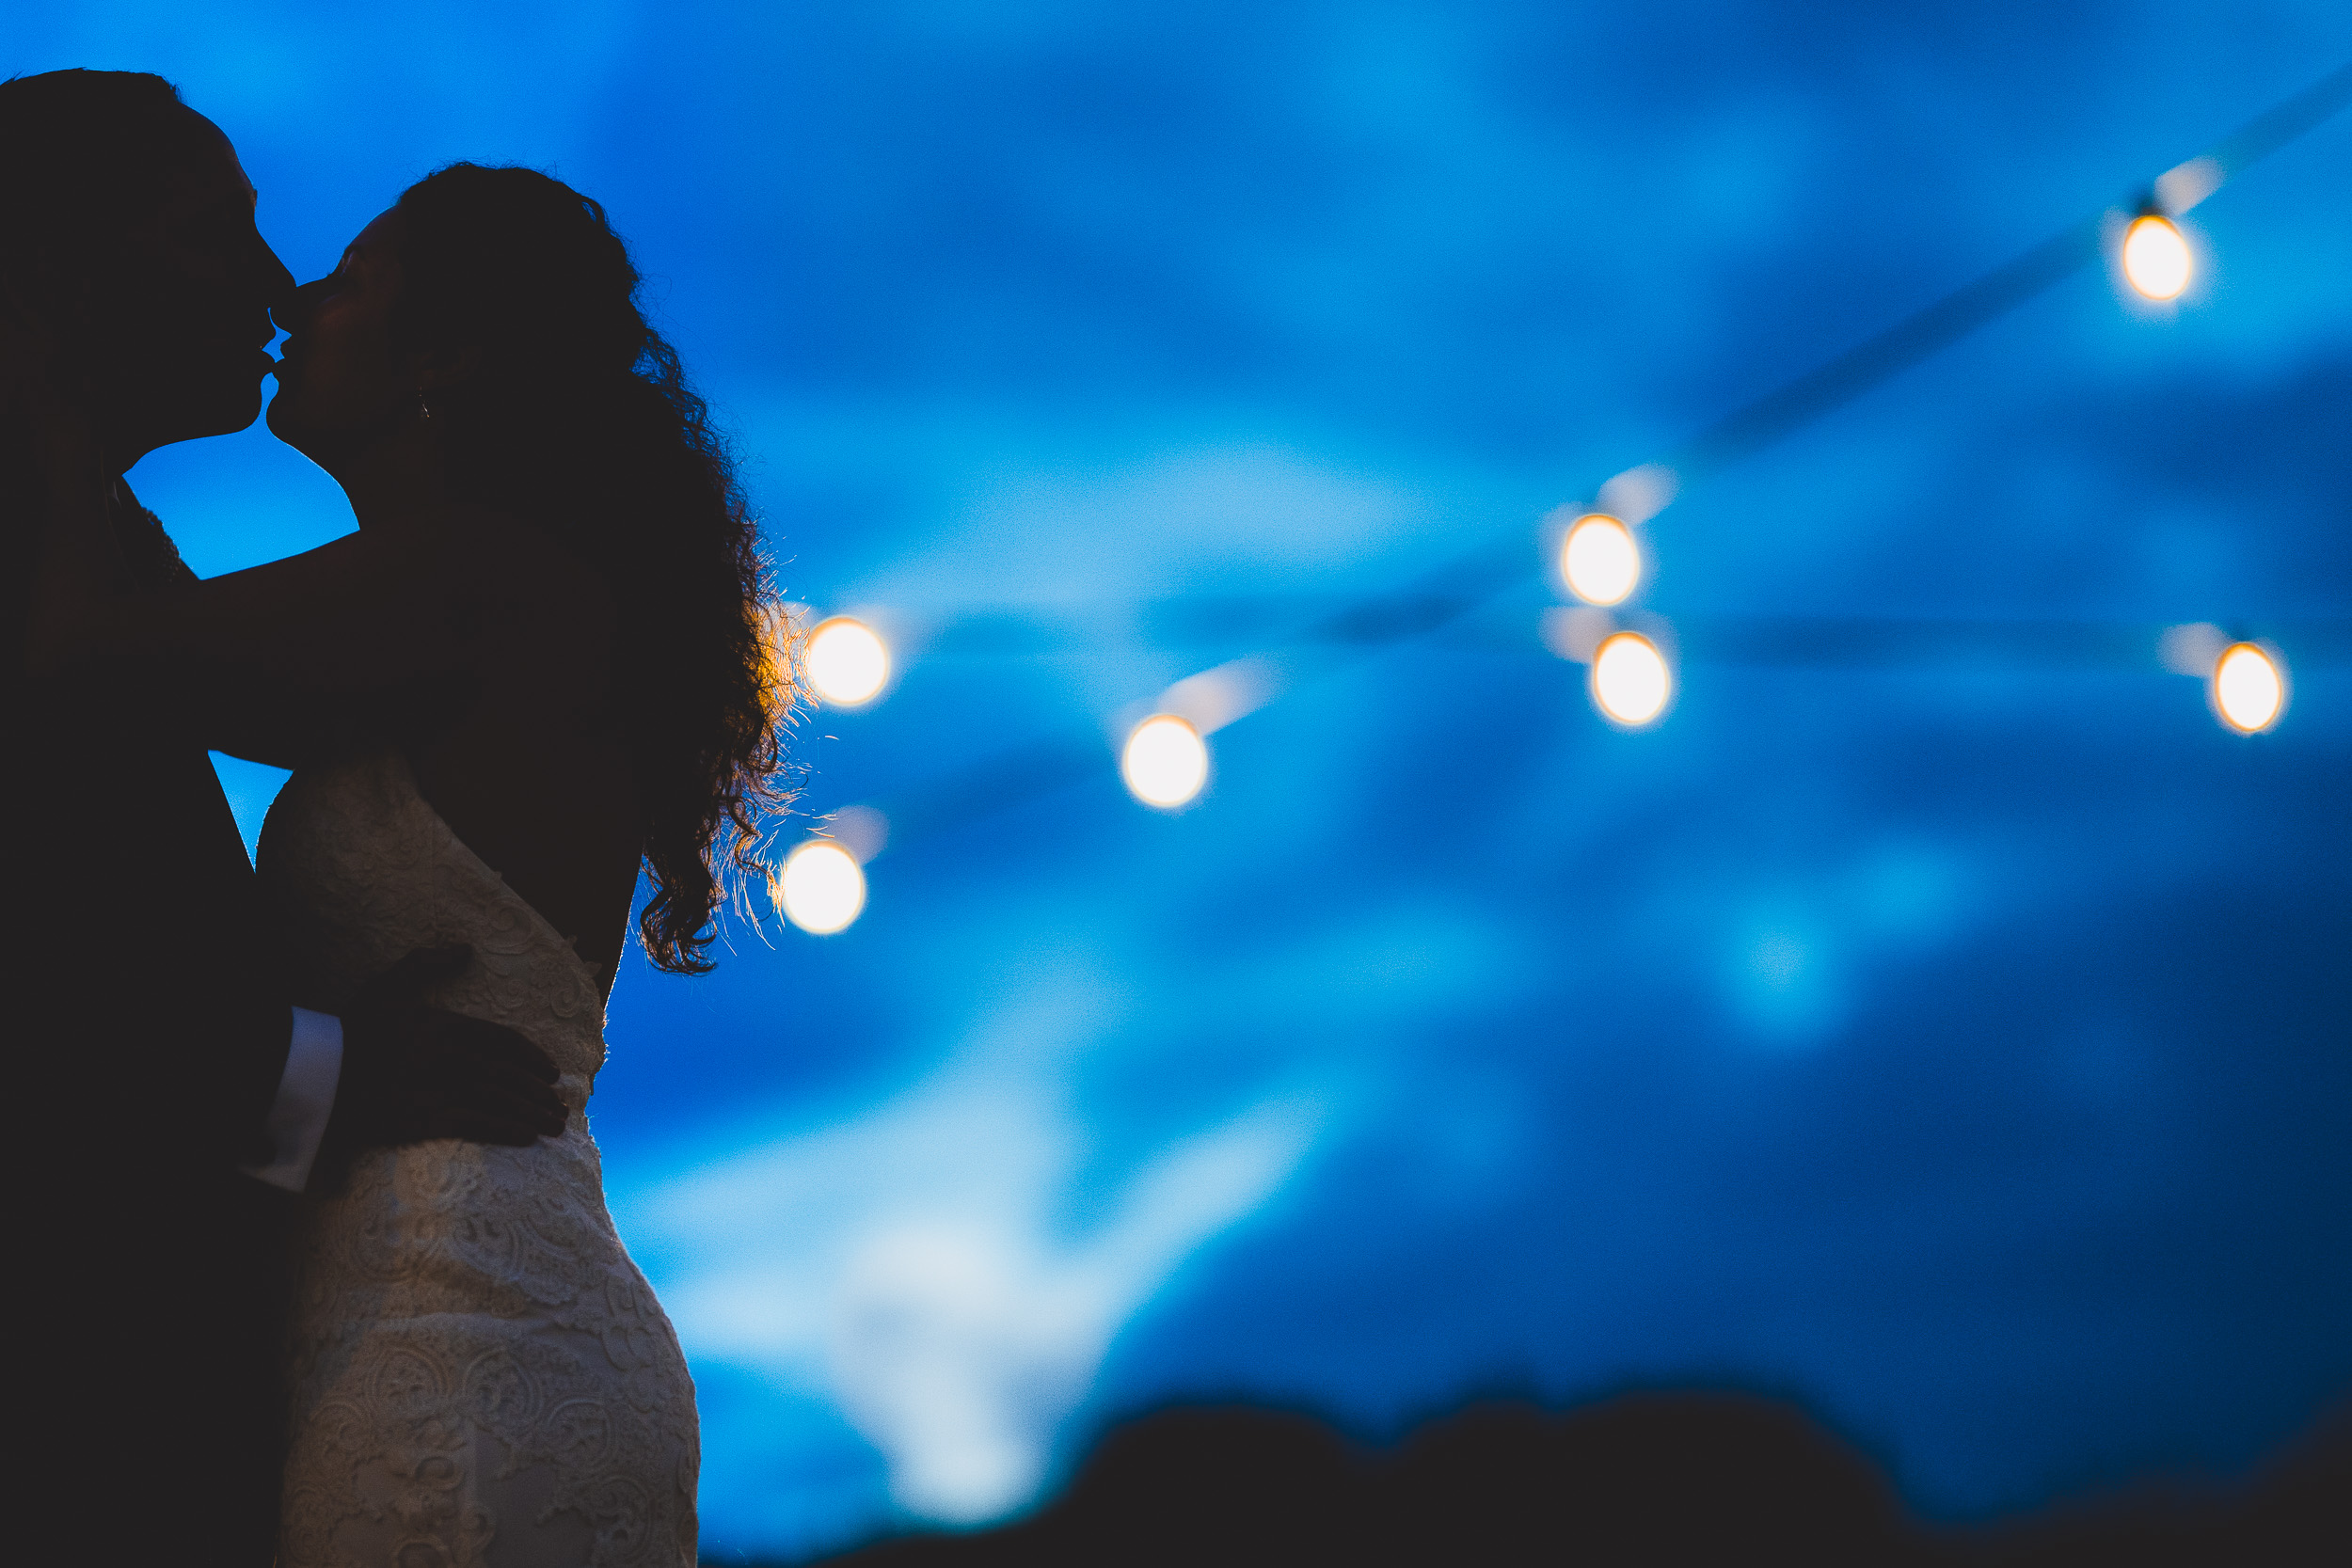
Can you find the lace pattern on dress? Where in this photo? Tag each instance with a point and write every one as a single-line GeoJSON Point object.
{"type": "Point", "coordinates": [479, 1375]}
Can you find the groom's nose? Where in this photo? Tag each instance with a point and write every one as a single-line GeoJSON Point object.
{"type": "Point", "coordinates": [282, 284]}
{"type": "Point", "coordinates": [275, 284]}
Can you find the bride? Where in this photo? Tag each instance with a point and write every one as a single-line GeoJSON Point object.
{"type": "Point", "coordinates": [538, 667]}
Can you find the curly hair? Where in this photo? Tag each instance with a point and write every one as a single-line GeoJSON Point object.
{"type": "Point", "coordinates": [580, 419]}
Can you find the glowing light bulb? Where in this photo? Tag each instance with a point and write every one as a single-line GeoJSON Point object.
{"type": "Point", "coordinates": [821, 888]}
{"type": "Point", "coordinates": [846, 661]}
{"type": "Point", "coordinates": [1630, 682]}
{"type": "Point", "coordinates": [2248, 687]}
{"type": "Point", "coordinates": [1599, 559]}
{"type": "Point", "coordinates": [2156, 258]}
{"type": "Point", "coordinates": [1165, 761]}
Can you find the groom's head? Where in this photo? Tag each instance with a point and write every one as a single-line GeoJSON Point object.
{"type": "Point", "coordinates": [127, 239]}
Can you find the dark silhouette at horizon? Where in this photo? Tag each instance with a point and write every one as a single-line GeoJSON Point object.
{"type": "Point", "coordinates": [1663, 1478]}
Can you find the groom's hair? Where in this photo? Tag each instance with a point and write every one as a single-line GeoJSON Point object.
{"type": "Point", "coordinates": [83, 155]}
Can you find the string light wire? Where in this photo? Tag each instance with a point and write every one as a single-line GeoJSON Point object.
{"type": "Point", "coordinates": [1322, 642]}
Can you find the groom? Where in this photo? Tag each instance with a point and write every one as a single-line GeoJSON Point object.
{"type": "Point", "coordinates": [168, 1100]}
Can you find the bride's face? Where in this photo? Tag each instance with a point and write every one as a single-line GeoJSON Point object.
{"type": "Point", "coordinates": [341, 380]}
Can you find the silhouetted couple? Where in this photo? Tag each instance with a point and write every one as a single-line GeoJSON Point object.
{"type": "Point", "coordinates": [305, 1200]}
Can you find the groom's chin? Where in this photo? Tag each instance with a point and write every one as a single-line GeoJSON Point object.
{"type": "Point", "coordinates": [230, 412]}
{"type": "Point", "coordinates": [219, 411]}
{"type": "Point", "coordinates": [220, 399]}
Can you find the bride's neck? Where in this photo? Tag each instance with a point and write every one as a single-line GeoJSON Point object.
{"type": "Point", "coordinates": [397, 476]}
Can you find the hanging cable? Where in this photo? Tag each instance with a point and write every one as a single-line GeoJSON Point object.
{"type": "Point", "coordinates": [1321, 641]}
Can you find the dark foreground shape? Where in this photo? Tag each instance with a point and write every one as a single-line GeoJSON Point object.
{"type": "Point", "coordinates": [2297, 1513]}
{"type": "Point", "coordinates": [1654, 1481]}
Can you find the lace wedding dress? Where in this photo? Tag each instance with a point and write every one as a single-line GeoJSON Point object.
{"type": "Point", "coordinates": [479, 1374]}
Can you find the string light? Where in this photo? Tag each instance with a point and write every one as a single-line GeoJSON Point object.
{"type": "Point", "coordinates": [821, 888]}
{"type": "Point", "coordinates": [2185, 185]}
{"type": "Point", "coordinates": [2249, 689]}
{"type": "Point", "coordinates": [2156, 260]}
{"type": "Point", "coordinates": [1630, 681]}
{"type": "Point", "coordinates": [1600, 560]}
{"type": "Point", "coordinates": [846, 660]}
{"type": "Point", "coordinates": [1164, 762]}
{"type": "Point", "coordinates": [863, 831]}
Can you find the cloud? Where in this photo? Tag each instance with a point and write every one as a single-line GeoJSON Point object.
{"type": "Point", "coordinates": [914, 1266]}
{"type": "Point", "coordinates": [1800, 953]}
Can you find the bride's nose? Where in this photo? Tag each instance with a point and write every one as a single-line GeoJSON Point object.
{"type": "Point", "coordinates": [294, 308]}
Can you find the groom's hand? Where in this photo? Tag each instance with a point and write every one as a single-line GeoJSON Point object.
{"type": "Point", "coordinates": [412, 1072]}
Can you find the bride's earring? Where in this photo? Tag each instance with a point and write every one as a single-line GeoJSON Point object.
{"type": "Point", "coordinates": [424, 409]}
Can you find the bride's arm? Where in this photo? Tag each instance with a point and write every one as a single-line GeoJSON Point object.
{"type": "Point", "coordinates": [374, 632]}
{"type": "Point", "coordinates": [278, 663]}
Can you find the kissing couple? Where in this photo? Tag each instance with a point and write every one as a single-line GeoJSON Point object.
{"type": "Point", "coordinates": [314, 1260]}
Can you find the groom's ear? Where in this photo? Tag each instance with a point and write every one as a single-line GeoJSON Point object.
{"type": "Point", "coordinates": [47, 319]}
{"type": "Point", "coordinates": [48, 289]}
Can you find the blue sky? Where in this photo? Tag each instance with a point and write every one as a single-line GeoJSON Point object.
{"type": "Point", "coordinates": [1957, 1042]}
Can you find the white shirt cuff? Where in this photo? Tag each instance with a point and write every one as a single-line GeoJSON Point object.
{"type": "Point", "coordinates": [306, 1096]}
